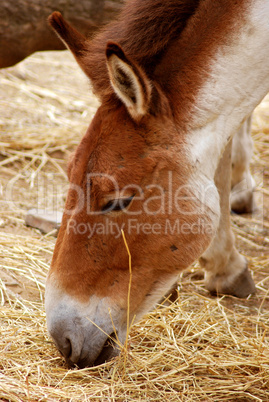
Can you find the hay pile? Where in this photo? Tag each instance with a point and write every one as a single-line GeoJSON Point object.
{"type": "Point", "coordinates": [198, 349]}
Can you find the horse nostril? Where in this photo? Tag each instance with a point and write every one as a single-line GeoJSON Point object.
{"type": "Point", "coordinates": [69, 348]}
{"type": "Point", "coordinates": [109, 350]}
{"type": "Point", "coordinates": [66, 349]}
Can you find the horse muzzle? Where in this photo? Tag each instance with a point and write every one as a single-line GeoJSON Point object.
{"type": "Point", "coordinates": [86, 334]}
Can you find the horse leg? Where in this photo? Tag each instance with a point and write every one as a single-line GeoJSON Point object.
{"type": "Point", "coordinates": [242, 186]}
{"type": "Point", "coordinates": [226, 270]}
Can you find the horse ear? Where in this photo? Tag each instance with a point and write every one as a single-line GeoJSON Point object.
{"type": "Point", "coordinates": [129, 81]}
{"type": "Point", "coordinates": [72, 39]}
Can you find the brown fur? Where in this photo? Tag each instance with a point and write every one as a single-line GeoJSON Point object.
{"type": "Point", "coordinates": [147, 69]}
{"type": "Point", "coordinates": [99, 265]}
{"type": "Point", "coordinates": [172, 42]}
{"type": "Point", "coordinates": [144, 30]}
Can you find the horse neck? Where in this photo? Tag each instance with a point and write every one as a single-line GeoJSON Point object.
{"type": "Point", "coordinates": [216, 73]}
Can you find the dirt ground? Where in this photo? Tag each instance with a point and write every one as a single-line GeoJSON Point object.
{"type": "Point", "coordinates": [46, 106]}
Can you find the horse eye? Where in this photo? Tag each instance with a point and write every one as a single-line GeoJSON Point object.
{"type": "Point", "coordinates": [117, 205]}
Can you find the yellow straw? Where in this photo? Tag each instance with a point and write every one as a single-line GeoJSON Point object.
{"type": "Point", "coordinates": [129, 292]}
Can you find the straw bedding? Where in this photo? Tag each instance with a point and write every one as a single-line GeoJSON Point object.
{"type": "Point", "coordinates": [199, 348]}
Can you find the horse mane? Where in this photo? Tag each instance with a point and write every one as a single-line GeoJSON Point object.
{"type": "Point", "coordinates": [144, 29]}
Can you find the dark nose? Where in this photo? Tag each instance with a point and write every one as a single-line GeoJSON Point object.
{"type": "Point", "coordinates": [66, 349]}
{"type": "Point", "coordinates": [69, 346]}
{"type": "Point", "coordinates": [83, 332]}
{"type": "Point", "coordinates": [84, 356]}
{"type": "Point", "coordinates": [109, 350]}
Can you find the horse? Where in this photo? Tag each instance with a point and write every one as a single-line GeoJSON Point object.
{"type": "Point", "coordinates": [150, 180]}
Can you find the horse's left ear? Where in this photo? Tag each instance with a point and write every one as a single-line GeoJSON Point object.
{"type": "Point", "coordinates": [73, 39]}
{"type": "Point", "coordinates": [129, 81]}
